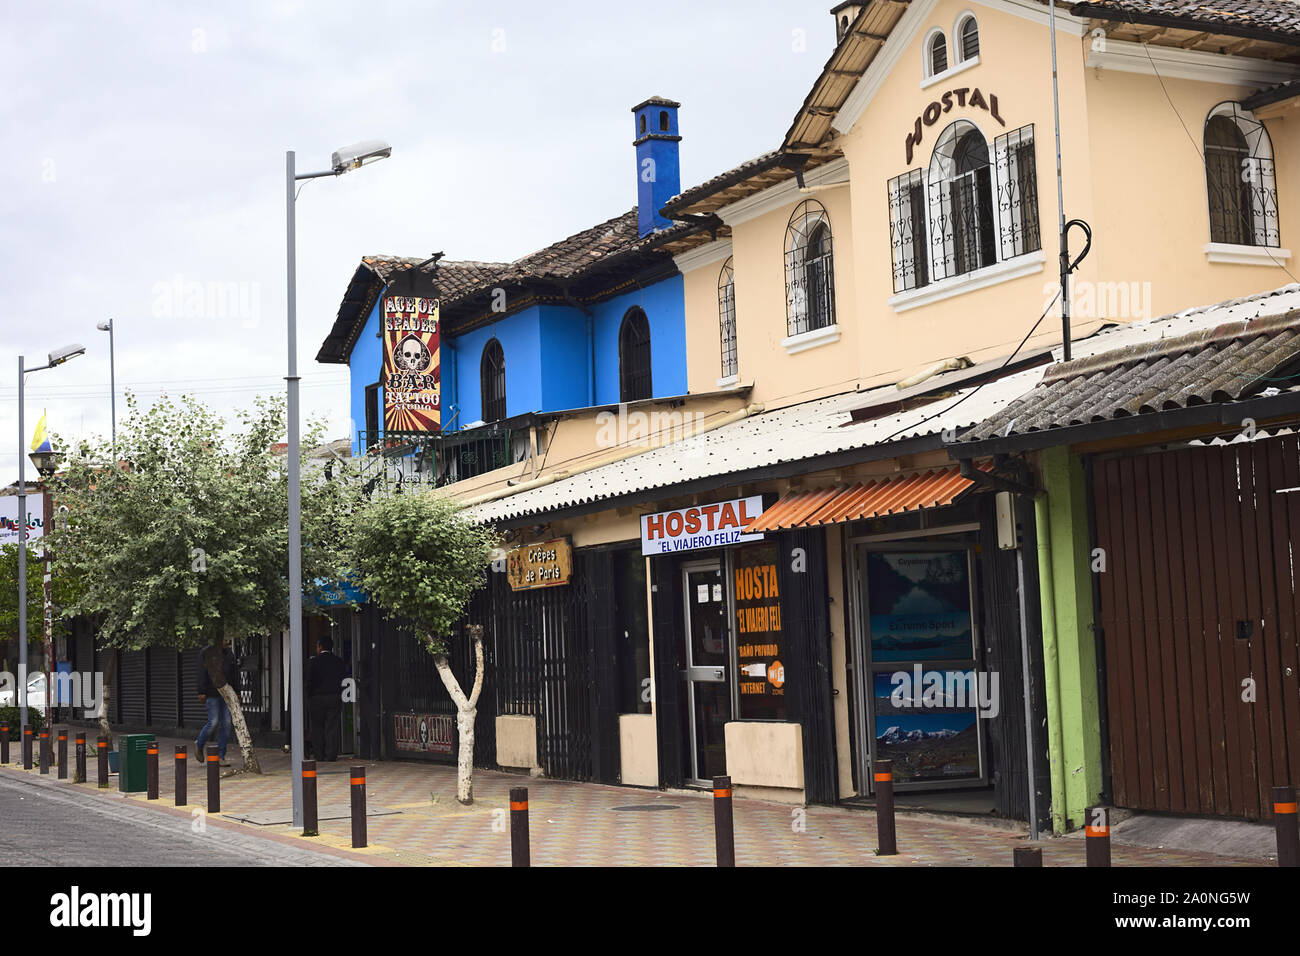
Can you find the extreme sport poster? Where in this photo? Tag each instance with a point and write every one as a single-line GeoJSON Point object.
{"type": "Point", "coordinates": [412, 376]}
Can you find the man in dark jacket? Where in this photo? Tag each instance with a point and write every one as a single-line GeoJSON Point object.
{"type": "Point", "coordinates": [211, 699]}
{"type": "Point", "coordinates": [325, 675]}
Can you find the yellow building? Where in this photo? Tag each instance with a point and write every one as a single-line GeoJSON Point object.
{"type": "Point", "coordinates": [793, 547]}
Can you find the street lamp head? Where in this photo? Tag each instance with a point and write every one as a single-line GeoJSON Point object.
{"type": "Point", "coordinates": [46, 462]}
{"type": "Point", "coordinates": [105, 326]}
{"type": "Point", "coordinates": [359, 154]}
{"type": "Point", "coordinates": [59, 356]}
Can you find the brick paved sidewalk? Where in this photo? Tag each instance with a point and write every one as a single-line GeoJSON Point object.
{"type": "Point", "coordinates": [583, 824]}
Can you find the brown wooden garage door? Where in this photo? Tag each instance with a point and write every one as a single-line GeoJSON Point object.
{"type": "Point", "coordinates": [1198, 597]}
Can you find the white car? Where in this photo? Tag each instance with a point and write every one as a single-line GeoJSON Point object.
{"type": "Point", "coordinates": [35, 694]}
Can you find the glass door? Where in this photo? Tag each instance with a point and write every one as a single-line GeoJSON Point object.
{"type": "Point", "coordinates": [708, 694]}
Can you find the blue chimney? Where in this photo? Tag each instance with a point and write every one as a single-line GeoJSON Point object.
{"type": "Point", "coordinates": [658, 177]}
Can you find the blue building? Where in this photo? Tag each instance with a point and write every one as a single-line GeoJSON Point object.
{"type": "Point", "coordinates": [595, 319]}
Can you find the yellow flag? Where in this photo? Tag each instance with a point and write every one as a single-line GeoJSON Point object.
{"type": "Point", "coordinates": [39, 439]}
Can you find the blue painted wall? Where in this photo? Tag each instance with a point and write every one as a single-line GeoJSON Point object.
{"type": "Point", "coordinates": [547, 354]}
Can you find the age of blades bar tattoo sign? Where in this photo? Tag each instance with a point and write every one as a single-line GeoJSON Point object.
{"type": "Point", "coordinates": [412, 378]}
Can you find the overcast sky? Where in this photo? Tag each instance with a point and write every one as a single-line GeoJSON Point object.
{"type": "Point", "coordinates": [144, 162]}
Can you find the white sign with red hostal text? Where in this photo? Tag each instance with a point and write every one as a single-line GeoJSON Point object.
{"type": "Point", "coordinates": [701, 526]}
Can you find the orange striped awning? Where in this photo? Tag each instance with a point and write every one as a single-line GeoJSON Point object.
{"type": "Point", "coordinates": [871, 499]}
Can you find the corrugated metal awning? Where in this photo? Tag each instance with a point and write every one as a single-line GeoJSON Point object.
{"type": "Point", "coordinates": [871, 499]}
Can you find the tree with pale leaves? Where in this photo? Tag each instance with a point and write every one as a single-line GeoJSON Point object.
{"type": "Point", "coordinates": [419, 559]}
{"type": "Point", "coordinates": [178, 535]}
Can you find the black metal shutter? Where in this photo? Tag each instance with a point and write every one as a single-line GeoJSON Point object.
{"type": "Point", "coordinates": [193, 714]}
{"type": "Point", "coordinates": [666, 609]}
{"type": "Point", "coordinates": [805, 604]}
{"type": "Point", "coordinates": [597, 569]}
{"type": "Point", "coordinates": [163, 688]}
{"type": "Point", "coordinates": [131, 682]}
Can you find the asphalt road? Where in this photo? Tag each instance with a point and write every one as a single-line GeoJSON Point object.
{"type": "Point", "coordinates": [44, 825]}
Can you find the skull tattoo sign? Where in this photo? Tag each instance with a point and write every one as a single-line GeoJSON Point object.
{"type": "Point", "coordinates": [411, 377]}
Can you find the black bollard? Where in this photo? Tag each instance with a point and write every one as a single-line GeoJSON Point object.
{"type": "Point", "coordinates": [310, 820]}
{"type": "Point", "coordinates": [214, 779]}
{"type": "Point", "coordinates": [4, 743]}
{"type": "Point", "coordinates": [80, 771]}
{"type": "Point", "coordinates": [724, 827]}
{"type": "Point", "coordinates": [63, 754]}
{"type": "Point", "coordinates": [27, 748]}
{"type": "Point", "coordinates": [519, 849]}
{"type": "Point", "coordinates": [1285, 823]}
{"type": "Point", "coordinates": [151, 771]}
{"type": "Point", "coordinates": [45, 751]}
{"type": "Point", "coordinates": [182, 777]}
{"type": "Point", "coordinates": [886, 840]}
{"type": "Point", "coordinates": [101, 753]}
{"type": "Point", "coordinates": [358, 781]}
{"type": "Point", "coordinates": [1096, 834]}
{"type": "Point", "coordinates": [1027, 856]}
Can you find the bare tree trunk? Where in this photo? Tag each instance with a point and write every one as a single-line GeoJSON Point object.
{"type": "Point", "coordinates": [110, 675]}
{"type": "Point", "coordinates": [466, 711]}
{"type": "Point", "coordinates": [212, 663]}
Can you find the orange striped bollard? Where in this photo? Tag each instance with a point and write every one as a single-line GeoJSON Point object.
{"type": "Point", "coordinates": [1285, 823]}
{"type": "Point", "coordinates": [151, 771]}
{"type": "Point", "coordinates": [101, 753]}
{"type": "Point", "coordinates": [310, 821]}
{"type": "Point", "coordinates": [358, 781]}
{"type": "Point", "coordinates": [45, 751]}
{"type": "Point", "coordinates": [519, 849]}
{"type": "Point", "coordinates": [886, 838]}
{"type": "Point", "coordinates": [80, 772]}
{"type": "Point", "coordinates": [27, 748]}
{"type": "Point", "coordinates": [63, 754]}
{"type": "Point", "coordinates": [4, 743]}
{"type": "Point", "coordinates": [182, 777]}
{"type": "Point", "coordinates": [724, 824]}
{"type": "Point", "coordinates": [1096, 834]}
{"type": "Point", "coordinates": [214, 779]}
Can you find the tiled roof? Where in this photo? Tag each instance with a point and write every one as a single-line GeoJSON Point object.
{"type": "Point", "coordinates": [451, 277]}
{"type": "Point", "coordinates": [1270, 16]}
{"type": "Point", "coordinates": [1221, 354]}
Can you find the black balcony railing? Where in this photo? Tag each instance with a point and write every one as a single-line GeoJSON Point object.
{"type": "Point", "coordinates": [421, 458]}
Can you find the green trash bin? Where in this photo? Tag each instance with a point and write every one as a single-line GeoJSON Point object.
{"type": "Point", "coordinates": [133, 762]}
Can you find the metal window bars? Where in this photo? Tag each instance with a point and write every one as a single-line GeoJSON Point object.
{"type": "Point", "coordinates": [1017, 184]}
{"type": "Point", "coordinates": [492, 381]}
{"type": "Point", "coordinates": [634, 374]}
{"type": "Point", "coordinates": [727, 318]}
{"type": "Point", "coordinates": [809, 269]}
{"type": "Point", "coordinates": [1240, 179]}
{"type": "Point", "coordinates": [907, 222]}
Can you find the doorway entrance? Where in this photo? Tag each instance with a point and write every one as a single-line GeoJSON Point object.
{"type": "Point", "coordinates": [707, 699]}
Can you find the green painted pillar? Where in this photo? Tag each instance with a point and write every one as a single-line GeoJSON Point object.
{"type": "Point", "coordinates": [1076, 708]}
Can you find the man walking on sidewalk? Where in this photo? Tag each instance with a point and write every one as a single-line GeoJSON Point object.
{"type": "Point", "coordinates": [325, 674]}
{"type": "Point", "coordinates": [210, 697]}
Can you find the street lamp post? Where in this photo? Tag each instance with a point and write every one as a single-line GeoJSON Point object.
{"type": "Point", "coordinates": [345, 159]}
{"type": "Point", "coordinates": [57, 357]}
{"type": "Point", "coordinates": [112, 381]}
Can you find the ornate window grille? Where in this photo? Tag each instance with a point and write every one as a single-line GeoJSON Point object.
{"type": "Point", "coordinates": [634, 379]}
{"type": "Point", "coordinates": [492, 381]}
{"type": "Point", "coordinates": [1017, 184]}
{"type": "Point", "coordinates": [1239, 178]}
{"type": "Point", "coordinates": [907, 231]}
{"type": "Point", "coordinates": [962, 218]}
{"type": "Point", "coordinates": [727, 318]}
{"type": "Point", "coordinates": [809, 269]}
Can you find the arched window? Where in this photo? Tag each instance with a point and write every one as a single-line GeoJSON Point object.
{"type": "Point", "coordinates": [727, 318]}
{"type": "Point", "coordinates": [961, 202]}
{"type": "Point", "coordinates": [1239, 178]}
{"type": "Point", "coordinates": [641, 127]}
{"type": "Point", "coordinates": [634, 381]}
{"type": "Point", "coordinates": [492, 381]}
{"type": "Point", "coordinates": [663, 121]}
{"type": "Point", "coordinates": [936, 53]}
{"type": "Point", "coordinates": [967, 39]}
{"type": "Point", "coordinates": [809, 270]}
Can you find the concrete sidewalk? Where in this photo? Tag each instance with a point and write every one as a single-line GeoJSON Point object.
{"type": "Point", "coordinates": [585, 824]}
